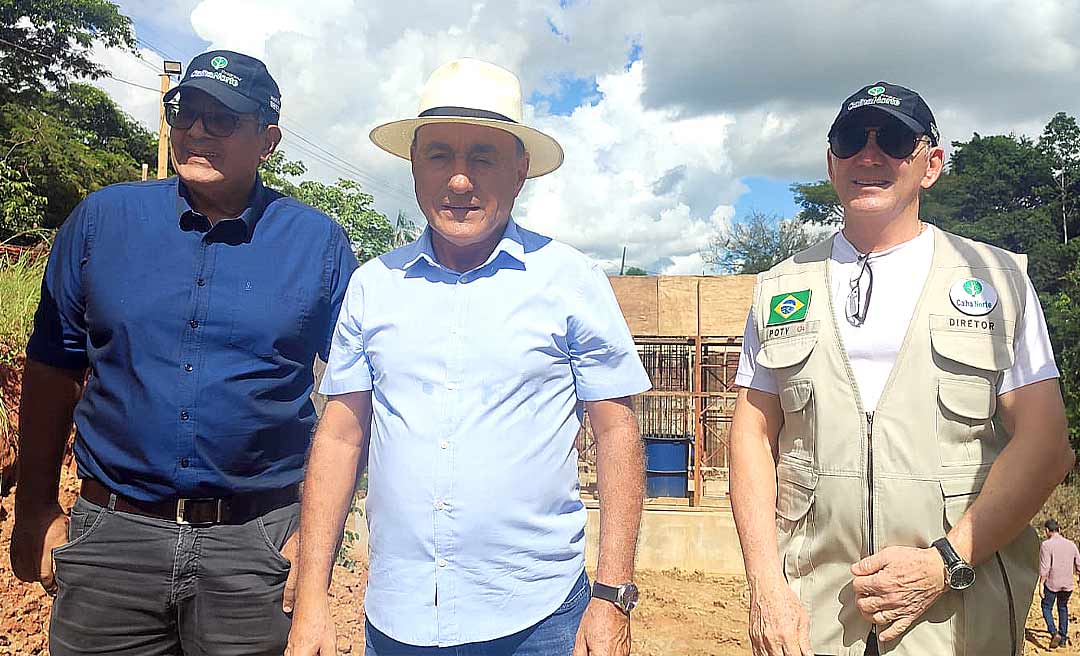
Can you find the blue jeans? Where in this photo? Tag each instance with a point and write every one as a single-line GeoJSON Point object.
{"type": "Point", "coordinates": [551, 636]}
{"type": "Point", "coordinates": [1062, 599]}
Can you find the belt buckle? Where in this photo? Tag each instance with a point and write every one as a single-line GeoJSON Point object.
{"type": "Point", "coordinates": [181, 508]}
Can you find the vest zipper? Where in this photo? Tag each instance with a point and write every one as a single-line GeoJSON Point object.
{"type": "Point", "coordinates": [870, 482]}
{"type": "Point", "coordinates": [1008, 595]}
{"type": "Point", "coordinates": [872, 637]}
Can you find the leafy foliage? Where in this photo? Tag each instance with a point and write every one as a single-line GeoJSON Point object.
{"type": "Point", "coordinates": [64, 152]}
{"type": "Point", "coordinates": [370, 232]}
{"type": "Point", "coordinates": [756, 243]}
{"type": "Point", "coordinates": [44, 44]}
{"type": "Point", "coordinates": [635, 271]}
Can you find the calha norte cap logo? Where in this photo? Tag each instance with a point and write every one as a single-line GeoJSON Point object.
{"type": "Point", "coordinates": [785, 308]}
{"type": "Point", "coordinates": [219, 62]}
{"type": "Point", "coordinates": [875, 91]}
{"type": "Point", "coordinates": [973, 296]}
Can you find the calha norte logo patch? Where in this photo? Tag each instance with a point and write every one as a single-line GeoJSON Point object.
{"type": "Point", "coordinates": [973, 296]}
{"type": "Point", "coordinates": [785, 308]}
{"type": "Point", "coordinates": [875, 91]}
{"type": "Point", "coordinates": [219, 62]}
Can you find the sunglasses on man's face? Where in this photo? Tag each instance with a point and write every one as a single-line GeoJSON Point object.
{"type": "Point", "coordinates": [894, 139]}
{"type": "Point", "coordinates": [217, 124]}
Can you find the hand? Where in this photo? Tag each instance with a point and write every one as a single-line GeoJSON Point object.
{"type": "Point", "coordinates": [291, 550]}
{"type": "Point", "coordinates": [604, 631]}
{"type": "Point", "coordinates": [38, 530]}
{"type": "Point", "coordinates": [895, 586]}
{"type": "Point", "coordinates": [779, 624]}
{"type": "Point", "coordinates": [312, 632]}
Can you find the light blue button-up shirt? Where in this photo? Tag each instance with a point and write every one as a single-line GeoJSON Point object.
{"type": "Point", "coordinates": [476, 526]}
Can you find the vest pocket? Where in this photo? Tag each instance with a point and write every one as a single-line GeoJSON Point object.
{"type": "Point", "coordinates": [795, 485]}
{"type": "Point", "coordinates": [966, 408]}
{"type": "Point", "coordinates": [784, 352]}
{"type": "Point", "coordinates": [797, 435]}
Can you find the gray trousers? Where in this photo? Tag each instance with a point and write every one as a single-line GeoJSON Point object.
{"type": "Point", "coordinates": [129, 584]}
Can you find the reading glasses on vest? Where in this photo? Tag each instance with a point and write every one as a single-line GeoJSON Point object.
{"type": "Point", "coordinates": [893, 138]}
{"type": "Point", "coordinates": [216, 124]}
{"type": "Point", "coordinates": [858, 304]}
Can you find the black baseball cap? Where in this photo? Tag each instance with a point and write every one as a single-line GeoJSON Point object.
{"type": "Point", "coordinates": [236, 80]}
{"type": "Point", "coordinates": [897, 101]}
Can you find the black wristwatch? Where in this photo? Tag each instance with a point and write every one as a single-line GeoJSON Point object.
{"type": "Point", "coordinates": [959, 575]}
{"type": "Point", "coordinates": [624, 596]}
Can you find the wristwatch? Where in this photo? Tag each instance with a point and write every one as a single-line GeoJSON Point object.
{"type": "Point", "coordinates": [959, 575]}
{"type": "Point", "coordinates": [624, 596]}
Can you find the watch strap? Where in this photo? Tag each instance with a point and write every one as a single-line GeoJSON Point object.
{"type": "Point", "coordinates": [948, 553]}
{"type": "Point", "coordinates": [605, 592]}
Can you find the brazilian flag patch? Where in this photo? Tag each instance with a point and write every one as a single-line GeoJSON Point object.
{"type": "Point", "coordinates": [785, 308]}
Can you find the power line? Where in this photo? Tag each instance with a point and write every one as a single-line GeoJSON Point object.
{"type": "Point", "coordinates": [356, 169]}
{"type": "Point", "coordinates": [134, 84]}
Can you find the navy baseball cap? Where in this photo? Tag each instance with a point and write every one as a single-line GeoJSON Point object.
{"type": "Point", "coordinates": [237, 81]}
{"type": "Point", "coordinates": [897, 101]}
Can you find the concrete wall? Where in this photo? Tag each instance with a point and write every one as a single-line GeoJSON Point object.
{"type": "Point", "coordinates": [680, 538]}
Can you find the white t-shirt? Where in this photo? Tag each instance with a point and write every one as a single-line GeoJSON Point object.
{"type": "Point", "coordinates": [899, 275]}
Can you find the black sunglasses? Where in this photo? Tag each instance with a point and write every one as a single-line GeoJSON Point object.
{"type": "Point", "coordinates": [217, 124]}
{"type": "Point", "coordinates": [894, 138]}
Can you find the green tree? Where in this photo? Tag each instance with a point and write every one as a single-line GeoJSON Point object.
{"type": "Point", "coordinates": [635, 271]}
{"type": "Point", "coordinates": [21, 210]}
{"type": "Point", "coordinates": [46, 43]}
{"type": "Point", "coordinates": [370, 233]}
{"type": "Point", "coordinates": [1060, 141]}
{"type": "Point", "coordinates": [61, 160]}
{"type": "Point", "coordinates": [820, 205]}
{"type": "Point", "coordinates": [756, 243]}
{"type": "Point", "coordinates": [405, 231]}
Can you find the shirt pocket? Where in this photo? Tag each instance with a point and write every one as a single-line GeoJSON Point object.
{"type": "Point", "coordinates": [267, 322]}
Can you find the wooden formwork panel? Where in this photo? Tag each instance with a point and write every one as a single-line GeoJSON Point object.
{"type": "Point", "coordinates": [669, 305]}
{"type": "Point", "coordinates": [637, 300]}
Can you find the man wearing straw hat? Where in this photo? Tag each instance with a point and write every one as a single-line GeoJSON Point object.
{"type": "Point", "coordinates": [457, 370]}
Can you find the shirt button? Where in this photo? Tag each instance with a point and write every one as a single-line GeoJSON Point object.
{"type": "Point", "coordinates": [188, 368]}
{"type": "Point", "coordinates": [444, 444]}
{"type": "Point", "coordinates": [183, 415]}
{"type": "Point", "coordinates": [200, 282]}
{"type": "Point", "coordinates": [193, 323]}
{"type": "Point", "coordinates": [439, 505]}
{"type": "Point", "coordinates": [442, 562]}
{"type": "Point", "coordinates": [185, 463]}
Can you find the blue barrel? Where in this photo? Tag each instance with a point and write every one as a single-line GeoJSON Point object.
{"type": "Point", "coordinates": [666, 458]}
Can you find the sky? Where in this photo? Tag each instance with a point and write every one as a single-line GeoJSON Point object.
{"type": "Point", "coordinates": [677, 118]}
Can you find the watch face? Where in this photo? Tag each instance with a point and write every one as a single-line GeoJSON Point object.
{"type": "Point", "coordinates": [628, 597]}
{"type": "Point", "coordinates": [962, 577]}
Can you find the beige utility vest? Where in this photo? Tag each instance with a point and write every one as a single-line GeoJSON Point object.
{"type": "Point", "coordinates": [850, 483]}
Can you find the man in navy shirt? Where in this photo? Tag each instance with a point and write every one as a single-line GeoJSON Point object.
{"type": "Point", "coordinates": [197, 304]}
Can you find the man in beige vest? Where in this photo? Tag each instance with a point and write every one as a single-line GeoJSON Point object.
{"type": "Point", "coordinates": [899, 414]}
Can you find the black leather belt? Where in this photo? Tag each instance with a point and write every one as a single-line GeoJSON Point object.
{"type": "Point", "coordinates": [236, 509]}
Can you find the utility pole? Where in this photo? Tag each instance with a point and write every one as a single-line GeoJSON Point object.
{"type": "Point", "coordinates": [622, 266]}
{"type": "Point", "coordinates": [170, 68]}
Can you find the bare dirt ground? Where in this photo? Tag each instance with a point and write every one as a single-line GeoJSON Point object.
{"type": "Point", "coordinates": [681, 613]}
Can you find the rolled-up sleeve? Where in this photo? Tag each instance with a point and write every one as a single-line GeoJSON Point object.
{"type": "Point", "coordinates": [348, 369]}
{"type": "Point", "coordinates": [59, 335]}
{"type": "Point", "coordinates": [603, 357]}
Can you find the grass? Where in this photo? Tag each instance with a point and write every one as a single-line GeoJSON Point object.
{"type": "Point", "coordinates": [20, 289]}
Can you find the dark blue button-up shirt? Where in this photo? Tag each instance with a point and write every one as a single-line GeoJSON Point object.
{"type": "Point", "coordinates": [200, 340]}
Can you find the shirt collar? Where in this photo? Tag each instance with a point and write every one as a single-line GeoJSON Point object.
{"type": "Point", "coordinates": [511, 244]}
{"type": "Point", "coordinates": [256, 204]}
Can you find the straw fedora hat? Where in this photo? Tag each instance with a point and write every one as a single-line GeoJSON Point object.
{"type": "Point", "coordinates": [475, 92]}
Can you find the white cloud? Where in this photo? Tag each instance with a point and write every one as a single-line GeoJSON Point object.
{"type": "Point", "coordinates": [723, 91]}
